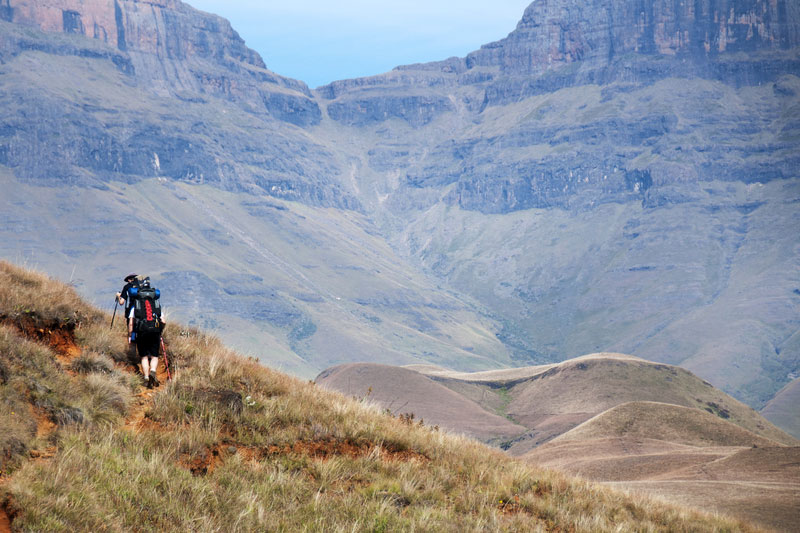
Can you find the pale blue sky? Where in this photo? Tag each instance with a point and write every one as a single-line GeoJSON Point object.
{"type": "Point", "coordinates": [321, 41]}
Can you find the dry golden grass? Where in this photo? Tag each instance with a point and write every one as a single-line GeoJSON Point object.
{"type": "Point", "coordinates": [232, 446]}
{"type": "Point", "coordinates": [40, 299]}
{"type": "Point", "coordinates": [665, 422]}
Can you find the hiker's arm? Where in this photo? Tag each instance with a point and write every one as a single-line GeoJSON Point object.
{"type": "Point", "coordinates": [120, 300]}
{"type": "Point", "coordinates": [130, 328]}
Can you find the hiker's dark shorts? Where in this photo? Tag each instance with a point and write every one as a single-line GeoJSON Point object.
{"type": "Point", "coordinates": [147, 344]}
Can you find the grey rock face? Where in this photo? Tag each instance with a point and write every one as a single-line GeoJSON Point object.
{"type": "Point", "coordinates": [416, 110]}
{"type": "Point", "coordinates": [178, 61]}
{"type": "Point", "coordinates": [558, 32]}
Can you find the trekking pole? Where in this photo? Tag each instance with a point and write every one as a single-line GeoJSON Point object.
{"type": "Point", "coordinates": [116, 304]}
{"type": "Point", "coordinates": [166, 361]}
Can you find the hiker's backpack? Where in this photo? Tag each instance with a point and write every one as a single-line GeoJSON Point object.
{"type": "Point", "coordinates": [146, 309]}
{"type": "Point", "coordinates": [134, 285]}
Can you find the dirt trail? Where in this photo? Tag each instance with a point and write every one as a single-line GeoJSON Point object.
{"type": "Point", "coordinates": [5, 520]}
{"type": "Point", "coordinates": [144, 399]}
{"type": "Point", "coordinates": [62, 342]}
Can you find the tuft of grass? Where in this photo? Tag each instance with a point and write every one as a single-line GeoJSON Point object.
{"type": "Point", "coordinates": [95, 336]}
{"type": "Point", "coordinates": [88, 363]}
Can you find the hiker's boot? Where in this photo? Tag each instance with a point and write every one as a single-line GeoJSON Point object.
{"type": "Point", "coordinates": [148, 382]}
{"type": "Point", "coordinates": [153, 379]}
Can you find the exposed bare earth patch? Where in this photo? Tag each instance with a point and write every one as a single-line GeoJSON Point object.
{"type": "Point", "coordinates": [59, 337]}
{"type": "Point", "coordinates": [6, 514]}
{"type": "Point", "coordinates": [143, 399]}
{"type": "Point", "coordinates": [208, 459]}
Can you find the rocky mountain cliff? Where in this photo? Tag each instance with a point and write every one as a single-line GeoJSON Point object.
{"type": "Point", "coordinates": [614, 175]}
{"type": "Point", "coordinates": [619, 46]}
{"type": "Point", "coordinates": [181, 58]}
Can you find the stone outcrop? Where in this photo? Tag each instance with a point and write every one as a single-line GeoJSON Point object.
{"type": "Point", "coordinates": [560, 32]}
{"type": "Point", "coordinates": [621, 46]}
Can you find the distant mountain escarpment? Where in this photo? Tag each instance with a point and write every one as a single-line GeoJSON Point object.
{"type": "Point", "coordinates": [601, 32]}
{"type": "Point", "coordinates": [184, 63]}
{"type": "Point", "coordinates": [619, 46]}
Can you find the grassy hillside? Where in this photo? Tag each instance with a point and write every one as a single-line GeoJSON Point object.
{"type": "Point", "coordinates": [229, 445]}
{"type": "Point", "coordinates": [403, 391]}
{"type": "Point", "coordinates": [706, 283]}
{"type": "Point", "coordinates": [593, 385]}
{"type": "Point", "coordinates": [550, 400]}
{"type": "Point", "coordinates": [670, 423]}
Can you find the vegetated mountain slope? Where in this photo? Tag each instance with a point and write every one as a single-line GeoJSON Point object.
{"type": "Point", "coordinates": [549, 401]}
{"type": "Point", "coordinates": [684, 455]}
{"type": "Point", "coordinates": [405, 392]}
{"type": "Point", "coordinates": [614, 175]}
{"type": "Point", "coordinates": [783, 409]}
{"type": "Point", "coordinates": [316, 285]}
{"type": "Point", "coordinates": [230, 445]}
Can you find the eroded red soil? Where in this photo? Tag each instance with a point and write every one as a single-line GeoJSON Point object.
{"type": "Point", "coordinates": [59, 337]}
{"type": "Point", "coordinates": [210, 458]}
{"type": "Point", "coordinates": [5, 520]}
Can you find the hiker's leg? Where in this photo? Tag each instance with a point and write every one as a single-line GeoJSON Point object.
{"type": "Point", "coordinates": [145, 367]}
{"type": "Point", "coordinates": [152, 378]}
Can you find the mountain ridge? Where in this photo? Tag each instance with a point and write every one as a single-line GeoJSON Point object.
{"type": "Point", "coordinates": [546, 402]}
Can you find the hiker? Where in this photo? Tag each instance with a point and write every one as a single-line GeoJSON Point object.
{"type": "Point", "coordinates": [123, 297]}
{"type": "Point", "coordinates": [144, 328]}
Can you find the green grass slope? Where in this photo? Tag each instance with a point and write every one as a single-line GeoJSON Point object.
{"type": "Point", "coordinates": [229, 445]}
